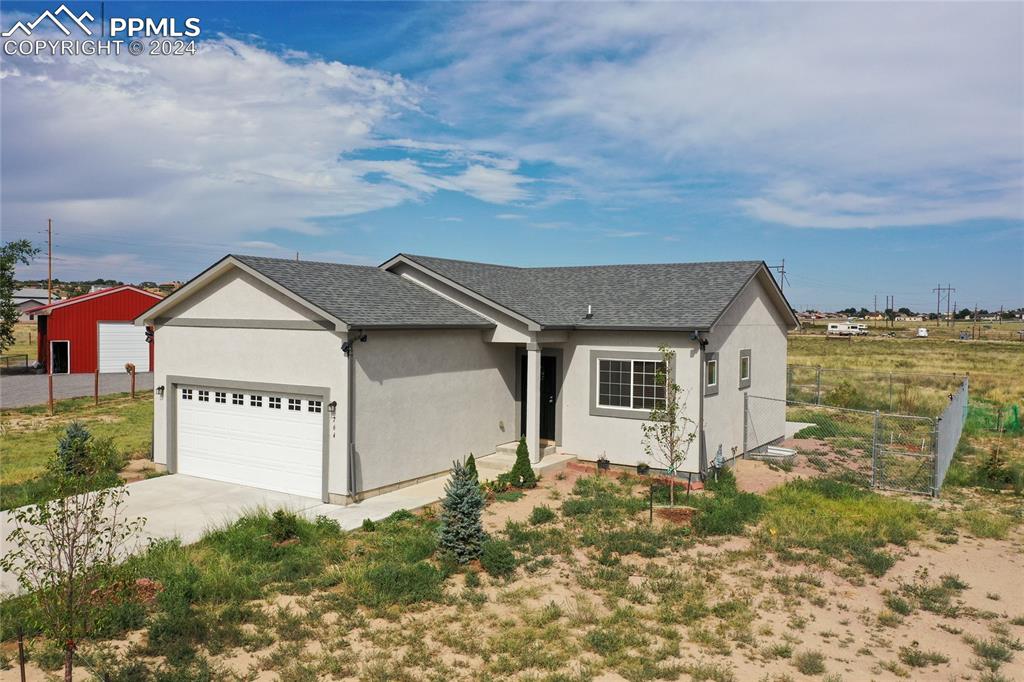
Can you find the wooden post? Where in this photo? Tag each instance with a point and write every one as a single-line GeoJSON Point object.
{"type": "Point", "coordinates": [96, 388]}
{"type": "Point", "coordinates": [132, 373]}
{"type": "Point", "coordinates": [21, 652]}
{"type": "Point", "coordinates": [49, 401]}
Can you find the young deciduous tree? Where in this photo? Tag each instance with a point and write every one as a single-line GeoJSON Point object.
{"type": "Point", "coordinates": [11, 253]}
{"type": "Point", "coordinates": [669, 432]}
{"type": "Point", "coordinates": [62, 550]}
{"type": "Point", "coordinates": [462, 531]}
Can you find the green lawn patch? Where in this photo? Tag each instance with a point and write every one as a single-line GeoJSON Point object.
{"type": "Point", "coordinates": [840, 521]}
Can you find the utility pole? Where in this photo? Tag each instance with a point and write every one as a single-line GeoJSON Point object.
{"type": "Point", "coordinates": [782, 275]}
{"type": "Point", "coordinates": [49, 261]}
{"type": "Point", "coordinates": [874, 308]}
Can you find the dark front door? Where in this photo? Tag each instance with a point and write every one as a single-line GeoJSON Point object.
{"type": "Point", "coordinates": [548, 395]}
{"type": "Point", "coordinates": [59, 357]}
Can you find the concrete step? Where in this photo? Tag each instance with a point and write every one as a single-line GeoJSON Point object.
{"type": "Point", "coordinates": [491, 466]}
{"type": "Point", "coordinates": [547, 448]}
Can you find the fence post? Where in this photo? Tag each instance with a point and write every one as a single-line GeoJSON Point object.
{"type": "Point", "coordinates": [817, 389]}
{"type": "Point", "coordinates": [890, 391]}
{"type": "Point", "coordinates": [936, 482]}
{"type": "Point", "coordinates": [96, 388]}
{"type": "Point", "coordinates": [874, 451]}
{"type": "Point", "coordinates": [746, 414]}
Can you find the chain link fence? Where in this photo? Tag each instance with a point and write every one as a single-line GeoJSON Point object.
{"type": "Point", "coordinates": [900, 452]}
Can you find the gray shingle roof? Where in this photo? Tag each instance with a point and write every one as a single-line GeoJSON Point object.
{"type": "Point", "coordinates": [653, 296]}
{"type": "Point", "coordinates": [364, 296]}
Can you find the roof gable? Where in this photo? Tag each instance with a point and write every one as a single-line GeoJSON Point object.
{"type": "Point", "coordinates": [350, 296]}
{"type": "Point", "coordinates": [681, 296]}
{"type": "Point", "coordinates": [74, 300]}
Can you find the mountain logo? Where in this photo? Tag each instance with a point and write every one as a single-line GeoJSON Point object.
{"type": "Point", "coordinates": [68, 15]}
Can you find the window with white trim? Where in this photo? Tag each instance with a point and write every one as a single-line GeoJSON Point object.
{"type": "Point", "coordinates": [710, 374]}
{"type": "Point", "coordinates": [204, 396]}
{"type": "Point", "coordinates": [186, 394]}
{"type": "Point", "coordinates": [220, 397]}
{"type": "Point", "coordinates": [255, 401]}
{"type": "Point", "coordinates": [237, 399]}
{"type": "Point", "coordinates": [274, 403]}
{"type": "Point", "coordinates": [294, 404]}
{"type": "Point", "coordinates": [745, 369]}
{"type": "Point", "coordinates": [631, 384]}
{"type": "Point", "coordinates": [316, 406]}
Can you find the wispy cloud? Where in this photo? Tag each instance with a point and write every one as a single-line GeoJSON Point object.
{"type": "Point", "coordinates": [828, 95]}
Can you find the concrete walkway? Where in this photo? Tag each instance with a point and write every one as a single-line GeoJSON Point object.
{"type": "Point", "coordinates": [185, 507]}
{"type": "Point", "coordinates": [22, 390]}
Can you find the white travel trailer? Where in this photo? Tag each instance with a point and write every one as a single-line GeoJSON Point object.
{"type": "Point", "coordinates": [843, 329]}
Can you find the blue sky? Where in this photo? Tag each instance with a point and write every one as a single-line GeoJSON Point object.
{"type": "Point", "coordinates": [878, 148]}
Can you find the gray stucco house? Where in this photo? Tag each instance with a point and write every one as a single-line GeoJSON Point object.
{"type": "Point", "coordinates": [343, 381]}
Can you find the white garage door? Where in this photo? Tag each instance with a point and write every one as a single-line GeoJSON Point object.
{"type": "Point", "coordinates": [120, 343]}
{"type": "Point", "coordinates": [260, 439]}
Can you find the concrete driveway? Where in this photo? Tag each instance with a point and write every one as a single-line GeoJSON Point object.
{"type": "Point", "coordinates": [21, 390]}
{"type": "Point", "coordinates": [186, 507]}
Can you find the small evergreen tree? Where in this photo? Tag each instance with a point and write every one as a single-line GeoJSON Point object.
{"type": "Point", "coordinates": [522, 474]}
{"type": "Point", "coordinates": [73, 450]}
{"type": "Point", "coordinates": [462, 532]}
{"type": "Point", "coordinates": [471, 468]}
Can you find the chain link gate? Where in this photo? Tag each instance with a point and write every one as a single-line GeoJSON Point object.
{"type": "Point", "coordinates": [869, 448]}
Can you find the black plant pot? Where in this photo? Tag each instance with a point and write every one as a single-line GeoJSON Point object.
{"type": "Point", "coordinates": [643, 469]}
{"type": "Point", "coordinates": [603, 464]}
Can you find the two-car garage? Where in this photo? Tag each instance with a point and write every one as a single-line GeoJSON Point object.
{"type": "Point", "coordinates": [273, 439]}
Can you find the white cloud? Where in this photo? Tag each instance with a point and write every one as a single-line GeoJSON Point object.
{"type": "Point", "coordinates": [217, 147]}
{"type": "Point", "coordinates": [846, 96]}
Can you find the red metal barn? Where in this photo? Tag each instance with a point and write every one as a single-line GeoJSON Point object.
{"type": "Point", "coordinates": [95, 330]}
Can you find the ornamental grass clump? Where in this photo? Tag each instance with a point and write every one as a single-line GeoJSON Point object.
{"type": "Point", "coordinates": [462, 533]}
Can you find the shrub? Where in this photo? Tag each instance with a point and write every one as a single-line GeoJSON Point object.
{"type": "Point", "coordinates": [72, 454]}
{"type": "Point", "coordinates": [541, 514]}
{"type": "Point", "coordinates": [522, 474]}
{"type": "Point", "coordinates": [810, 662]}
{"type": "Point", "coordinates": [462, 533]}
{"type": "Point", "coordinates": [471, 467]}
{"type": "Point", "coordinates": [845, 394]}
{"type": "Point", "coordinates": [497, 558]}
{"type": "Point", "coordinates": [369, 525]}
{"type": "Point", "coordinates": [915, 658]}
{"type": "Point", "coordinates": [283, 526]}
{"type": "Point", "coordinates": [177, 627]}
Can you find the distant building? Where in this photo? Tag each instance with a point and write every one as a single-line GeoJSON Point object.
{"type": "Point", "coordinates": [94, 331]}
{"type": "Point", "coordinates": [29, 298]}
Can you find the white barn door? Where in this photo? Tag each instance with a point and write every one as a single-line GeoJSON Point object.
{"type": "Point", "coordinates": [120, 343]}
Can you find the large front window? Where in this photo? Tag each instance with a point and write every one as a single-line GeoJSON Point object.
{"type": "Point", "coordinates": [631, 384]}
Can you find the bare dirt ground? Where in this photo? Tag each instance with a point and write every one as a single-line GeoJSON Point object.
{"type": "Point", "coordinates": [761, 616]}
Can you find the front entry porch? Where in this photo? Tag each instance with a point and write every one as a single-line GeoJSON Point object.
{"type": "Point", "coordinates": [539, 400]}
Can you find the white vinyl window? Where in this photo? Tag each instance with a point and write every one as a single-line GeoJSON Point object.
{"type": "Point", "coordinates": [315, 406]}
{"type": "Point", "coordinates": [186, 394]}
{"type": "Point", "coordinates": [745, 368]}
{"type": "Point", "coordinates": [256, 401]}
{"type": "Point", "coordinates": [204, 396]}
{"type": "Point", "coordinates": [294, 404]}
{"type": "Point", "coordinates": [631, 384]}
{"type": "Point", "coordinates": [237, 399]}
{"type": "Point", "coordinates": [220, 397]}
{"type": "Point", "coordinates": [274, 403]}
{"type": "Point", "coordinates": [712, 374]}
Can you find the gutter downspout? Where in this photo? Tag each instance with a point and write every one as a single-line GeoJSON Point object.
{"type": "Point", "coordinates": [351, 426]}
{"type": "Point", "coordinates": [702, 460]}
